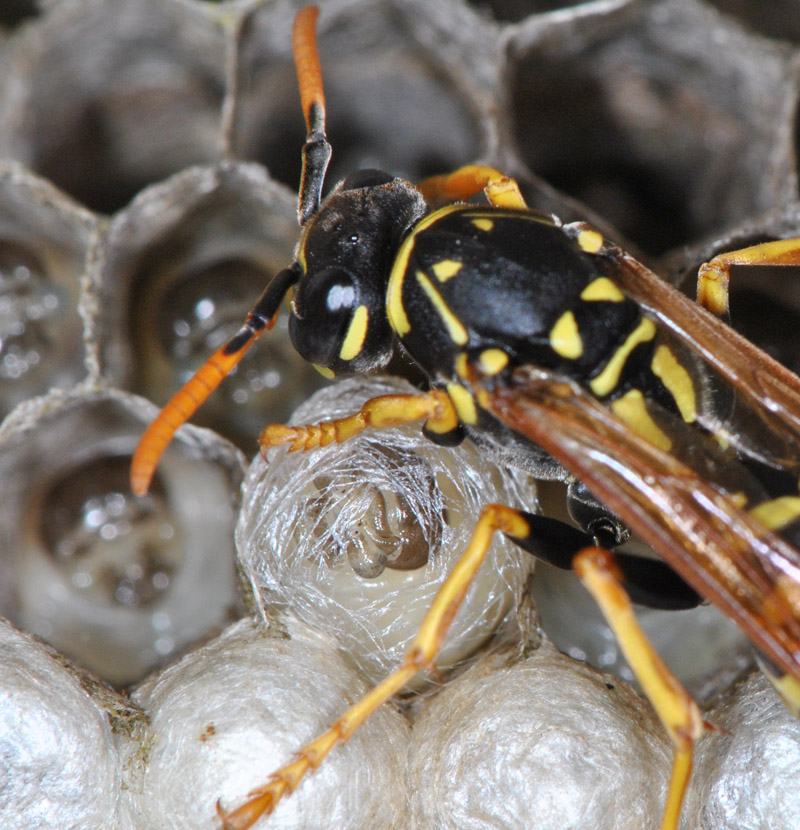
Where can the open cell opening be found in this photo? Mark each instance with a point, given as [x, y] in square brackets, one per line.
[660, 129]
[388, 107]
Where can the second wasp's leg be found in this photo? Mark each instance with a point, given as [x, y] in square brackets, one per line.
[421, 655]
[434, 407]
[672, 703]
[713, 277]
[501, 190]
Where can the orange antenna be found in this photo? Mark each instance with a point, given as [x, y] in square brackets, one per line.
[205, 380]
[316, 150]
[309, 72]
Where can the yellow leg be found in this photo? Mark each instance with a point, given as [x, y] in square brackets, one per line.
[435, 407]
[673, 705]
[713, 277]
[421, 655]
[501, 190]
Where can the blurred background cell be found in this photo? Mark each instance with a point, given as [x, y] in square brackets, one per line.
[392, 104]
[103, 99]
[15, 12]
[777, 19]
[116, 582]
[45, 244]
[665, 117]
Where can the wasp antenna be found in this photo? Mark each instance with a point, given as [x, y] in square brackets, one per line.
[316, 150]
[205, 380]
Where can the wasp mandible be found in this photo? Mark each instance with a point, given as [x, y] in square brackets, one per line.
[555, 351]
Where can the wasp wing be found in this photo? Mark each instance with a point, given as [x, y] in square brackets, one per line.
[717, 547]
[765, 421]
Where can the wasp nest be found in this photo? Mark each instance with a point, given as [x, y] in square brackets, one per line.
[150, 156]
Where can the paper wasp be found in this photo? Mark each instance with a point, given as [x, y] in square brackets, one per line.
[555, 351]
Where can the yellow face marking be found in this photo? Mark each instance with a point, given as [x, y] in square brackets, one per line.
[325, 371]
[602, 290]
[356, 334]
[483, 224]
[565, 339]
[776, 513]
[463, 402]
[493, 361]
[590, 241]
[677, 380]
[395, 311]
[605, 382]
[632, 409]
[446, 269]
[455, 328]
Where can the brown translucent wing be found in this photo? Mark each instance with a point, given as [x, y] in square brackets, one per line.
[719, 549]
[767, 394]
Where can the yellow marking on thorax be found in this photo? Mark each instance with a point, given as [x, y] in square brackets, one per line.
[324, 371]
[590, 241]
[493, 361]
[445, 269]
[565, 339]
[605, 382]
[462, 365]
[676, 378]
[602, 290]
[455, 328]
[483, 224]
[395, 311]
[463, 402]
[356, 334]
[632, 409]
[776, 513]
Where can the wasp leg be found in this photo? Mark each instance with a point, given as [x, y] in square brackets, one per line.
[594, 517]
[713, 277]
[421, 655]
[648, 582]
[435, 407]
[673, 705]
[500, 190]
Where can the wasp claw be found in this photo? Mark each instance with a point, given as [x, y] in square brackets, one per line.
[248, 814]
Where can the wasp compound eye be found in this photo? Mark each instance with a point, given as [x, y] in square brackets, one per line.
[339, 323]
[323, 307]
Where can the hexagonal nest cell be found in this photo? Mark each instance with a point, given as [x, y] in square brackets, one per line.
[150, 155]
